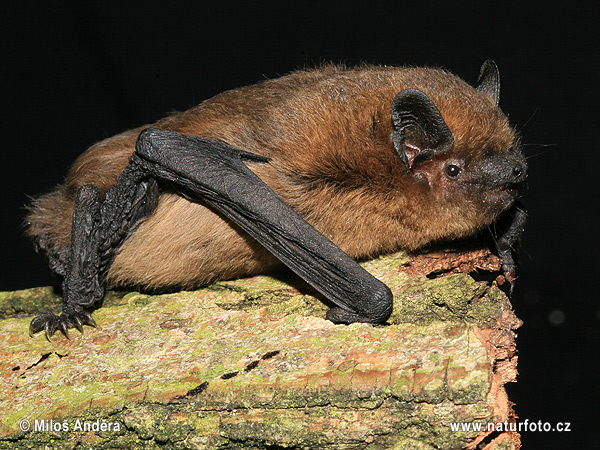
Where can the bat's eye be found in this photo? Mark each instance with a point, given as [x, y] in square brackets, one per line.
[452, 170]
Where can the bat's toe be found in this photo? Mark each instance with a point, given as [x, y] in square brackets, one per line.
[51, 323]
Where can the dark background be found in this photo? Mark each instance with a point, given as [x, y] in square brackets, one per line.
[75, 72]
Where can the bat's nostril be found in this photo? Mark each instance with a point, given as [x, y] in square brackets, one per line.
[519, 172]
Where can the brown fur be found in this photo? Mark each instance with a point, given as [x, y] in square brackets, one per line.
[328, 134]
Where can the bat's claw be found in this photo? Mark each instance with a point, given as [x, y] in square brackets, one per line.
[510, 277]
[509, 274]
[376, 312]
[51, 323]
[343, 316]
[340, 315]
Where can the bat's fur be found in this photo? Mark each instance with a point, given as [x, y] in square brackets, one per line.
[328, 132]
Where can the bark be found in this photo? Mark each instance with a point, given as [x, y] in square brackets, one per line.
[253, 364]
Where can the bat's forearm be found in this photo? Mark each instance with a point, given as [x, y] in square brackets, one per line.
[230, 187]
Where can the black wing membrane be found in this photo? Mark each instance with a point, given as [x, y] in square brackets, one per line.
[214, 172]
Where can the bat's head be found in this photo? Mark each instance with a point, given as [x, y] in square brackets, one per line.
[470, 164]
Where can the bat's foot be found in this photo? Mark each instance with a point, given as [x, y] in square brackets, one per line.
[51, 323]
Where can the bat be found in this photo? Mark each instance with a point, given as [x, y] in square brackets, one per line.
[314, 170]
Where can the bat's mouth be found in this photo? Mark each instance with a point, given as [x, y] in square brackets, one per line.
[503, 196]
[509, 190]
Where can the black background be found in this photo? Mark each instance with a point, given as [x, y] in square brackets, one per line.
[75, 72]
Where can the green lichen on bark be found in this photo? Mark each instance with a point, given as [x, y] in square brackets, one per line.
[253, 364]
[27, 301]
[35, 300]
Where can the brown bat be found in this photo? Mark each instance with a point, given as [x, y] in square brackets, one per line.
[375, 158]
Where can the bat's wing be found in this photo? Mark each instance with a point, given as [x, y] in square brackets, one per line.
[214, 172]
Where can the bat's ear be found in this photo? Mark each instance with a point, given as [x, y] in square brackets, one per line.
[419, 129]
[488, 82]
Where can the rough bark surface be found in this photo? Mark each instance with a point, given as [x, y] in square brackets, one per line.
[253, 364]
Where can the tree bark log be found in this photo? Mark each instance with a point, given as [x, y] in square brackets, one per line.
[253, 364]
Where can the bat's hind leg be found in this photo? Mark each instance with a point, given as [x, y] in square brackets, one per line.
[100, 225]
